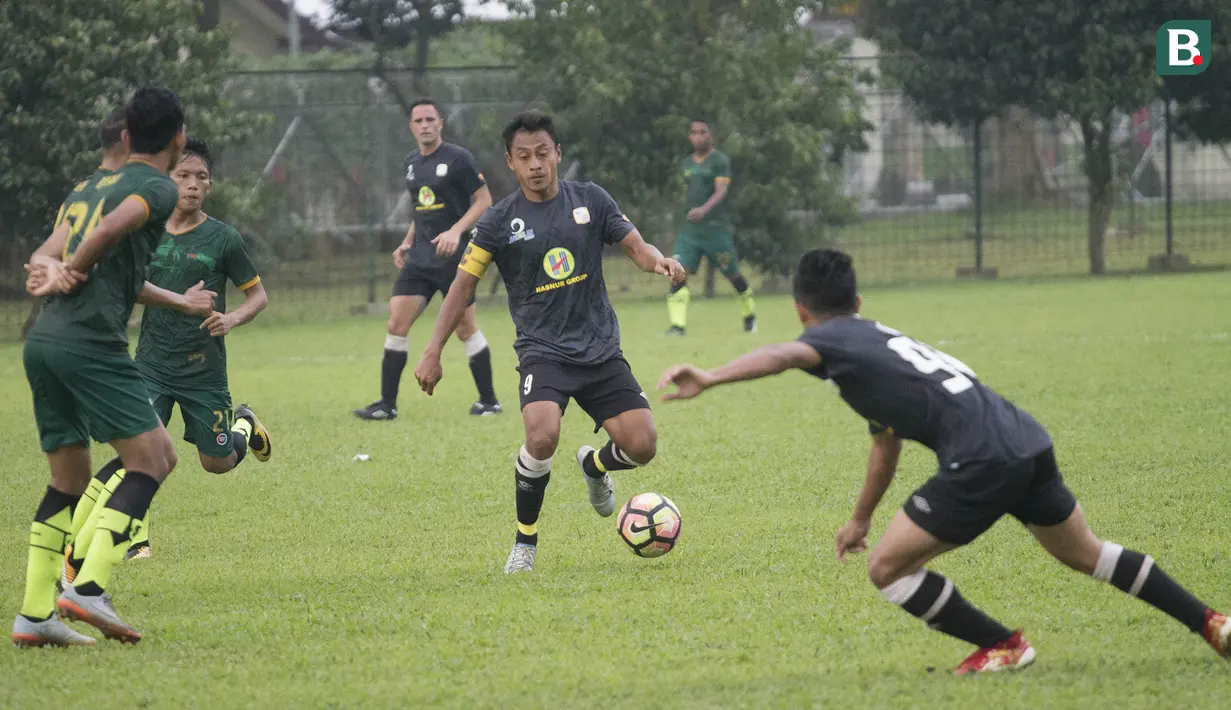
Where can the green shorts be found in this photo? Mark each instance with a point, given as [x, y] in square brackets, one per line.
[83, 391]
[208, 416]
[713, 241]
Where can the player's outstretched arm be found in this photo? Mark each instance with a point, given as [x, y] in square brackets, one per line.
[649, 259]
[691, 381]
[428, 372]
[882, 465]
[130, 215]
[196, 301]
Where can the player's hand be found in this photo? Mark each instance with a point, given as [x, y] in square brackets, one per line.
[689, 381]
[219, 324]
[198, 301]
[446, 242]
[50, 277]
[696, 214]
[399, 255]
[851, 538]
[428, 372]
[36, 276]
[670, 268]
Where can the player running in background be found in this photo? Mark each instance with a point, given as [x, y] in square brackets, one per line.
[994, 459]
[547, 238]
[449, 194]
[83, 382]
[707, 227]
[183, 356]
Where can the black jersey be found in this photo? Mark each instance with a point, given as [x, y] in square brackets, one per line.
[442, 187]
[550, 255]
[922, 394]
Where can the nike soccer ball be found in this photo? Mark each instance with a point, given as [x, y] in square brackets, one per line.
[650, 524]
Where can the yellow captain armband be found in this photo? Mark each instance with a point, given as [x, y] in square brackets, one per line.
[475, 260]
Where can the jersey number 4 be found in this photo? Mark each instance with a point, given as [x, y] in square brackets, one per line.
[928, 360]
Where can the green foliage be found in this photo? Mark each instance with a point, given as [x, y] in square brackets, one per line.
[624, 76]
[395, 24]
[67, 64]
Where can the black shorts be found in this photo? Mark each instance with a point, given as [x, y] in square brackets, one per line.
[416, 280]
[602, 391]
[959, 508]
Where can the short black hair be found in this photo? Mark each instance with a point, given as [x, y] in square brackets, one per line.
[198, 147]
[528, 122]
[696, 119]
[825, 282]
[154, 116]
[427, 101]
[111, 129]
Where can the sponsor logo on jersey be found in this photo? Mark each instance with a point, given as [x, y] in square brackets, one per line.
[442, 170]
[427, 200]
[222, 439]
[922, 504]
[410, 173]
[520, 233]
[581, 215]
[559, 263]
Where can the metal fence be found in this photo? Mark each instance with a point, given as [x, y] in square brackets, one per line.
[933, 202]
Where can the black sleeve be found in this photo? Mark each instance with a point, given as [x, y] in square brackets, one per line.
[823, 345]
[612, 223]
[876, 427]
[486, 231]
[468, 176]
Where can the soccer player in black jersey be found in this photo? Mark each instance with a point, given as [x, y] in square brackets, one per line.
[994, 459]
[547, 238]
[448, 194]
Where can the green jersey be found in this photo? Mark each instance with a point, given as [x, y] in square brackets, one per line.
[173, 347]
[700, 180]
[98, 311]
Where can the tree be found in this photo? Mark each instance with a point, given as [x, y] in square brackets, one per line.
[67, 65]
[623, 77]
[392, 25]
[1089, 62]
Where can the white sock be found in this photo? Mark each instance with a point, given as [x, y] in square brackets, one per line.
[475, 344]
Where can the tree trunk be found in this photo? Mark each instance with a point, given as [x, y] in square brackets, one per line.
[1096, 140]
[423, 55]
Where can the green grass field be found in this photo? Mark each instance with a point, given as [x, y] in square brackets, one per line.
[313, 581]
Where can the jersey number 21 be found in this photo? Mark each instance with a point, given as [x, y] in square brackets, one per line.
[928, 360]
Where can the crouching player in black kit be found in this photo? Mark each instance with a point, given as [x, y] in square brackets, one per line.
[994, 459]
[547, 238]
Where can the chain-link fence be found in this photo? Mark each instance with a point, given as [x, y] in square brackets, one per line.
[320, 193]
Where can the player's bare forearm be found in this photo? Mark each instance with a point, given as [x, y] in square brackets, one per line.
[152, 296]
[452, 310]
[409, 239]
[882, 465]
[766, 361]
[131, 215]
[645, 255]
[53, 246]
[481, 200]
[255, 301]
[720, 193]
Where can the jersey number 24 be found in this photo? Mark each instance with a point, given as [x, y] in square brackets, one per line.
[929, 360]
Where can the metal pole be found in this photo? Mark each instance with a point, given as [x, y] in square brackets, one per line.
[978, 177]
[366, 195]
[1167, 169]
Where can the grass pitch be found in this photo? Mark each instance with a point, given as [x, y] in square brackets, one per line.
[315, 581]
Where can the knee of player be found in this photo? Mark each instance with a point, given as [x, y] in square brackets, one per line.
[882, 572]
[217, 465]
[542, 443]
[643, 446]
[397, 329]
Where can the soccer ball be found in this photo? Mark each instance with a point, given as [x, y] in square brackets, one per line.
[650, 524]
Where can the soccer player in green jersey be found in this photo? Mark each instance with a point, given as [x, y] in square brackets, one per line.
[707, 229]
[84, 383]
[182, 356]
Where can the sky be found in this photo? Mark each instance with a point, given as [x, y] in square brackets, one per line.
[476, 8]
